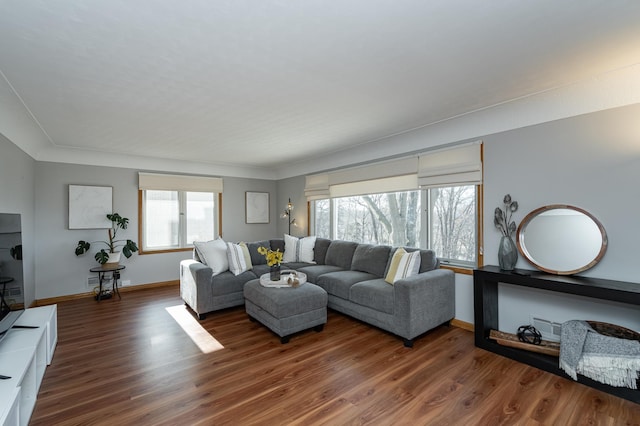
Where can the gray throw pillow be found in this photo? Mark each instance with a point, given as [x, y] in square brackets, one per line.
[340, 253]
[371, 258]
[257, 258]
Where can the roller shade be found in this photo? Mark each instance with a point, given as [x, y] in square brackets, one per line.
[164, 182]
[458, 165]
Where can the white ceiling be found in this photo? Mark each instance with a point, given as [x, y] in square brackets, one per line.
[264, 83]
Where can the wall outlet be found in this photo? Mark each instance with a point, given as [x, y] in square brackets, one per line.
[126, 283]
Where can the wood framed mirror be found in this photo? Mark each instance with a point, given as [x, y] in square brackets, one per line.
[561, 239]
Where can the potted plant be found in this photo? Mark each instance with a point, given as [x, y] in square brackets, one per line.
[110, 254]
[274, 259]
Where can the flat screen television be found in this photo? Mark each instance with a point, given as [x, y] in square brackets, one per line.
[11, 273]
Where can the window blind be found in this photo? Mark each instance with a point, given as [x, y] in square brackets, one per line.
[458, 165]
[165, 182]
[375, 186]
[316, 187]
[451, 166]
[388, 176]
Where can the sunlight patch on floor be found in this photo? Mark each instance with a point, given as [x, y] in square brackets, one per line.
[201, 337]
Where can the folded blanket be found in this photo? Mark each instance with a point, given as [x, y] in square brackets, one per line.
[608, 360]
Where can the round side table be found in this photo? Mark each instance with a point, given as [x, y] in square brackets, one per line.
[115, 276]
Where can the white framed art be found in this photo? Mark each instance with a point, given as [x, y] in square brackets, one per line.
[256, 207]
[89, 206]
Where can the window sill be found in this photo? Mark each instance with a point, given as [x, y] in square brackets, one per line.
[466, 270]
[141, 252]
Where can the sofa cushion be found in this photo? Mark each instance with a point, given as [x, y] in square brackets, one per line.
[295, 265]
[338, 283]
[227, 283]
[320, 250]
[257, 258]
[314, 271]
[298, 249]
[213, 254]
[340, 253]
[260, 270]
[403, 265]
[375, 294]
[371, 258]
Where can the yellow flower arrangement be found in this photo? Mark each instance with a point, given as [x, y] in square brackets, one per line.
[273, 257]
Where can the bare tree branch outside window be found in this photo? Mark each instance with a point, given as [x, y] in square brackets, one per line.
[396, 219]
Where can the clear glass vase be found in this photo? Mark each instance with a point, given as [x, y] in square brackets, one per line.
[507, 253]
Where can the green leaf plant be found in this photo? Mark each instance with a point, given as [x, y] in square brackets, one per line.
[128, 246]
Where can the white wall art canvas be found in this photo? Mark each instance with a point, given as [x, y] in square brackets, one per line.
[89, 206]
[257, 207]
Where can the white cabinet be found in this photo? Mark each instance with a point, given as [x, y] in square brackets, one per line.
[24, 356]
[11, 409]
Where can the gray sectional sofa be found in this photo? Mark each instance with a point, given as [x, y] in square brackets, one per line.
[352, 274]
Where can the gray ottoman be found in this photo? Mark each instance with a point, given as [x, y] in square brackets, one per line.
[286, 310]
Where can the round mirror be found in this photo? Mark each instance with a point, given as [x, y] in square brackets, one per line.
[561, 239]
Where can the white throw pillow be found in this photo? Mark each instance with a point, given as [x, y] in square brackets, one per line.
[298, 249]
[403, 265]
[237, 258]
[213, 254]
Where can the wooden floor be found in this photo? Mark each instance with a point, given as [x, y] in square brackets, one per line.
[133, 362]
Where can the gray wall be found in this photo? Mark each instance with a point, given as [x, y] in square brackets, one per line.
[62, 273]
[17, 195]
[234, 227]
[591, 161]
[292, 188]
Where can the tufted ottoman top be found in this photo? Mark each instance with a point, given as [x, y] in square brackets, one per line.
[286, 301]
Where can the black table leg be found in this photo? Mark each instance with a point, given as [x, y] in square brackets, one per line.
[116, 277]
[100, 278]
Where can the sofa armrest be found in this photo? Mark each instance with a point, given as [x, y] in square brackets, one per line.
[424, 301]
[195, 284]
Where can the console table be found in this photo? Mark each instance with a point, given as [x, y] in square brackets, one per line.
[485, 295]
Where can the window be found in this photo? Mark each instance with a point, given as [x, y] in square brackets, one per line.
[391, 218]
[174, 219]
[176, 210]
[447, 223]
[452, 224]
[322, 218]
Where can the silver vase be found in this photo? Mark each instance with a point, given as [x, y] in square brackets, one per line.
[507, 253]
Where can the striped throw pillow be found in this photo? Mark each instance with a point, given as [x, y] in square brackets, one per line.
[298, 249]
[403, 265]
[237, 255]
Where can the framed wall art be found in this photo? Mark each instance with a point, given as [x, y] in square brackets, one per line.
[89, 206]
[256, 207]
